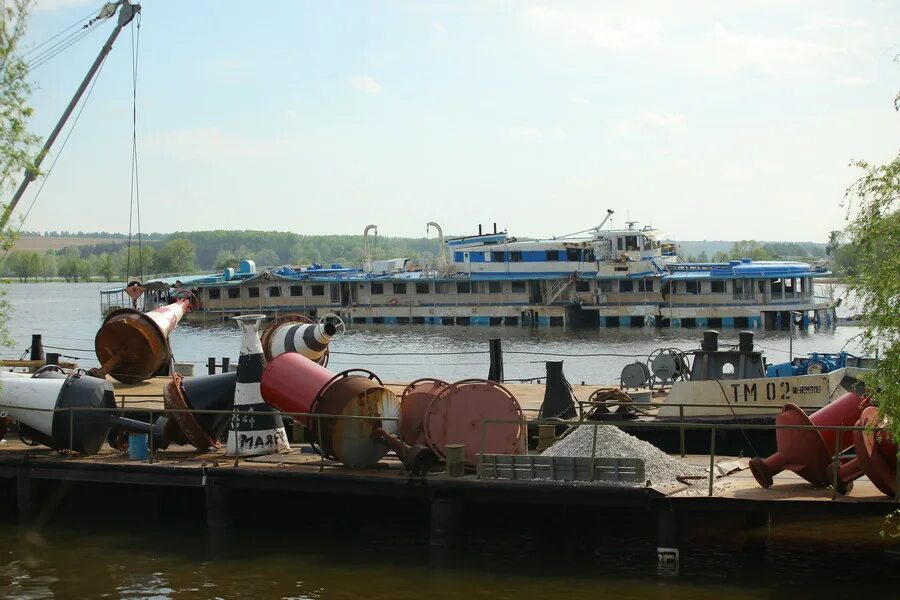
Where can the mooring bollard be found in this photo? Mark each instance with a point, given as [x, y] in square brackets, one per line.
[456, 459]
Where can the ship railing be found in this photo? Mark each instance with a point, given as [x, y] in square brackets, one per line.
[842, 432]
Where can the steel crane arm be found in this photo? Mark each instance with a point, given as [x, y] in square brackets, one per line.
[126, 14]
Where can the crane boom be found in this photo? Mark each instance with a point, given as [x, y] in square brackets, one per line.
[126, 14]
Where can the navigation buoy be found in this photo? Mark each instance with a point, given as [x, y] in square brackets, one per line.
[47, 409]
[300, 334]
[261, 431]
[212, 392]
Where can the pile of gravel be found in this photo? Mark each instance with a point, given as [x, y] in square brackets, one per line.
[612, 442]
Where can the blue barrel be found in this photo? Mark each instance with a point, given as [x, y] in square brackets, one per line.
[138, 448]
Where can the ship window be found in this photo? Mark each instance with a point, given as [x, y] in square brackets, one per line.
[477, 287]
[604, 287]
[495, 287]
[253, 292]
[573, 255]
[317, 290]
[717, 287]
[589, 255]
[441, 287]
[582, 286]
[234, 292]
[399, 288]
[377, 288]
[518, 287]
[423, 288]
[457, 256]
[515, 256]
[213, 293]
[631, 242]
[498, 256]
[728, 371]
[463, 287]
[275, 291]
[737, 288]
[552, 254]
[645, 285]
[335, 292]
[626, 285]
[761, 283]
[691, 287]
[296, 290]
[620, 243]
[749, 289]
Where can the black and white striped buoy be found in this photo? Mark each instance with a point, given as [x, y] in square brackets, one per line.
[261, 431]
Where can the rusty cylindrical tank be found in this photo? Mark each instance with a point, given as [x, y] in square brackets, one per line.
[292, 383]
[132, 345]
[414, 402]
[876, 450]
[478, 413]
[300, 334]
[808, 452]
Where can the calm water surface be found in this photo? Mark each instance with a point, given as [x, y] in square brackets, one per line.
[115, 560]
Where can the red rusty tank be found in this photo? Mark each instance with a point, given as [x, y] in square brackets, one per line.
[414, 402]
[132, 345]
[808, 452]
[294, 384]
[481, 414]
[291, 383]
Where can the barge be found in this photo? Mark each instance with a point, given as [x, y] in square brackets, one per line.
[597, 278]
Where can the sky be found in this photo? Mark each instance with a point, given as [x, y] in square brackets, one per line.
[708, 120]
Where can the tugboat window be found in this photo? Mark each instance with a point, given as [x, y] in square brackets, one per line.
[213, 293]
[604, 287]
[626, 286]
[573, 255]
[552, 254]
[234, 292]
[645, 285]
[518, 287]
[253, 292]
[495, 287]
[515, 256]
[737, 288]
[717, 287]
[423, 288]
[631, 243]
[296, 290]
[275, 291]
[441, 287]
[318, 290]
[498, 256]
[463, 287]
[377, 288]
[399, 288]
[691, 287]
[582, 286]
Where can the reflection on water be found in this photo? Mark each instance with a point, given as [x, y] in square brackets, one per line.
[191, 562]
[68, 316]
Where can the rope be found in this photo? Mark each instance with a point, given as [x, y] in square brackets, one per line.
[47, 41]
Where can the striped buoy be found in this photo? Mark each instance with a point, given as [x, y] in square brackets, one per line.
[262, 431]
[297, 333]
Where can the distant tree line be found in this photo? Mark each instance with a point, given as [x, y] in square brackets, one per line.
[755, 250]
[87, 234]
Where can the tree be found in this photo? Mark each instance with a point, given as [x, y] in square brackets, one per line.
[68, 264]
[226, 259]
[16, 143]
[874, 233]
[266, 258]
[106, 267]
[177, 256]
[49, 268]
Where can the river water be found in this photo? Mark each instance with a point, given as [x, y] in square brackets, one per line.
[99, 559]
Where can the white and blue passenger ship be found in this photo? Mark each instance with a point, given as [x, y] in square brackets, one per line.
[597, 278]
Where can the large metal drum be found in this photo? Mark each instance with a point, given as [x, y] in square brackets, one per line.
[414, 402]
[481, 414]
[355, 392]
[291, 383]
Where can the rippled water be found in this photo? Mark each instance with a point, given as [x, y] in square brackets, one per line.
[67, 315]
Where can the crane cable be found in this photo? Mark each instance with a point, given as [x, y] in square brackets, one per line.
[135, 200]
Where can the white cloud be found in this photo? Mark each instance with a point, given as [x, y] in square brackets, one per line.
[580, 100]
[366, 84]
[624, 34]
[646, 120]
[821, 23]
[853, 81]
[776, 57]
[211, 144]
[439, 27]
[523, 131]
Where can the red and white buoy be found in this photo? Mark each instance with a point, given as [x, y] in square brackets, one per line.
[300, 334]
[262, 431]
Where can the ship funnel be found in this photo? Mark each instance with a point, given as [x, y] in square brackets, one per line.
[132, 345]
[263, 431]
[297, 333]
